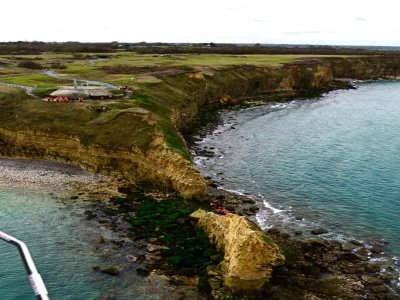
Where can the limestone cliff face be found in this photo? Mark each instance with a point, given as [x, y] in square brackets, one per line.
[365, 68]
[249, 254]
[159, 166]
[222, 86]
[168, 107]
[180, 173]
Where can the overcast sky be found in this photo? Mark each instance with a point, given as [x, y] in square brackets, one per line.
[350, 22]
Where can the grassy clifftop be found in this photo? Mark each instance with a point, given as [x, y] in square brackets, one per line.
[138, 137]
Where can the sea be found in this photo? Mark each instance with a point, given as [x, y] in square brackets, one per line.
[59, 249]
[39, 208]
[331, 162]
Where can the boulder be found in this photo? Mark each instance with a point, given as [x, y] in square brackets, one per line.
[249, 254]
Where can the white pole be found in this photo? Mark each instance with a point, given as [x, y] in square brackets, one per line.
[34, 277]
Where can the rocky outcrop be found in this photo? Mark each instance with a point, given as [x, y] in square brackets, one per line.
[249, 254]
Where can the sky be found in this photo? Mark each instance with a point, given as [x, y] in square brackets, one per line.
[338, 22]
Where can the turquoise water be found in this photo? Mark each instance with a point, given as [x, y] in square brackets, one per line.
[331, 162]
[60, 240]
[58, 247]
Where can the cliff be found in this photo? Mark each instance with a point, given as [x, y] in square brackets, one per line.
[139, 139]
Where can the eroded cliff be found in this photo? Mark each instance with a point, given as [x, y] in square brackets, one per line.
[249, 254]
[139, 138]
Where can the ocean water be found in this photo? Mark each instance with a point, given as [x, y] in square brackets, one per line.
[58, 247]
[332, 162]
[60, 240]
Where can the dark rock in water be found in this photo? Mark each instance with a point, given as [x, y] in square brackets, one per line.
[347, 247]
[379, 289]
[95, 268]
[329, 258]
[108, 296]
[143, 272]
[376, 249]
[349, 256]
[117, 244]
[74, 197]
[99, 240]
[254, 209]
[110, 271]
[140, 245]
[379, 242]
[373, 268]
[298, 232]
[314, 242]
[89, 215]
[356, 243]
[319, 231]
[248, 200]
[131, 258]
[363, 252]
[371, 280]
[273, 231]
[285, 235]
[212, 184]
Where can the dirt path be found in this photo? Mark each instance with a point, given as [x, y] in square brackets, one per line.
[28, 89]
[83, 82]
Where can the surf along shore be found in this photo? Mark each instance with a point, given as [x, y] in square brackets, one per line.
[139, 140]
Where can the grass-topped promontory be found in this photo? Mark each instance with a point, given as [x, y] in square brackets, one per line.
[160, 95]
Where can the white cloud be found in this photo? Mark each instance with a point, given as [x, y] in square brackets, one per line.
[263, 21]
[360, 19]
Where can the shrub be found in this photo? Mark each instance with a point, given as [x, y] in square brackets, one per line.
[28, 64]
[57, 65]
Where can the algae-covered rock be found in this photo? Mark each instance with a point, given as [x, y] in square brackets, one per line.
[249, 254]
[110, 270]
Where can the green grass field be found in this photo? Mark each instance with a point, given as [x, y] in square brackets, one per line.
[35, 80]
[89, 67]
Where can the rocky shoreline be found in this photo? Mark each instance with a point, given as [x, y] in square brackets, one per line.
[59, 178]
[316, 265]
[316, 268]
[111, 236]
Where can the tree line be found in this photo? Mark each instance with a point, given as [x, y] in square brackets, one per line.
[185, 48]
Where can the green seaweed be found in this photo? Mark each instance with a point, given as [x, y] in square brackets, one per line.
[167, 223]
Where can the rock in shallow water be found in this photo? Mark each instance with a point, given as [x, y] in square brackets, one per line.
[319, 231]
[110, 270]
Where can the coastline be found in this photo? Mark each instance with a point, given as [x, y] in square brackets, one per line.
[88, 197]
[371, 253]
[55, 177]
[122, 250]
[181, 121]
